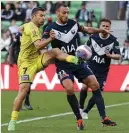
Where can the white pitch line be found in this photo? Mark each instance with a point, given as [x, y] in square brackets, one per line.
[61, 114]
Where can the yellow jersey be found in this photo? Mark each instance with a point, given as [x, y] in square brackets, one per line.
[28, 51]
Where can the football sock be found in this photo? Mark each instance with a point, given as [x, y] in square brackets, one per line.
[90, 105]
[27, 102]
[74, 105]
[83, 96]
[99, 102]
[72, 59]
[14, 115]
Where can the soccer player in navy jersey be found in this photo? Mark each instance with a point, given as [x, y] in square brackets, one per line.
[104, 47]
[66, 39]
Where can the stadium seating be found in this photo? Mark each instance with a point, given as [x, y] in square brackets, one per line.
[19, 23]
[3, 56]
[73, 10]
[53, 16]
[84, 40]
[71, 16]
[5, 24]
[76, 4]
[95, 24]
[98, 14]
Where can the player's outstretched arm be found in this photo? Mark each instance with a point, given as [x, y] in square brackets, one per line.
[92, 30]
[39, 44]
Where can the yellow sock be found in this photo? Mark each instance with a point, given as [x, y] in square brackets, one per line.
[14, 115]
[72, 59]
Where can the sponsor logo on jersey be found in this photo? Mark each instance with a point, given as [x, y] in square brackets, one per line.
[25, 77]
[73, 31]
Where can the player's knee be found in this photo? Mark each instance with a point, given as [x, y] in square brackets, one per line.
[68, 85]
[56, 50]
[93, 86]
[23, 89]
[84, 88]
[70, 90]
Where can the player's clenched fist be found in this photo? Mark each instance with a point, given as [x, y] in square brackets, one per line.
[52, 34]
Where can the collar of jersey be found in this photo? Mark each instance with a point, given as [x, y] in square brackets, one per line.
[61, 24]
[104, 38]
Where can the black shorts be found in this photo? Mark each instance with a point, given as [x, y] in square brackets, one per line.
[79, 71]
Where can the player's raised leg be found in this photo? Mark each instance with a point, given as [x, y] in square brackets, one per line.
[56, 53]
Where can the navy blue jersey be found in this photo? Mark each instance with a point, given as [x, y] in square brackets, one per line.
[99, 62]
[67, 38]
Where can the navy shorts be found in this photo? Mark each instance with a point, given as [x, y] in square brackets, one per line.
[79, 71]
[101, 77]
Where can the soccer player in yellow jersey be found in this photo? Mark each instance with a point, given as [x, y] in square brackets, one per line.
[31, 61]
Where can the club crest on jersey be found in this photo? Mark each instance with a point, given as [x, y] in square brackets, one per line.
[73, 31]
[59, 35]
[107, 48]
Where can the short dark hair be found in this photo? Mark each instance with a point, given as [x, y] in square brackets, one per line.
[60, 5]
[35, 10]
[83, 3]
[105, 20]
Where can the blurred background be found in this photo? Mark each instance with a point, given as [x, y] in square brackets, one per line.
[88, 13]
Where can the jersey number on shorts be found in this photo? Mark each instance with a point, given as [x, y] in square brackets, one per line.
[62, 74]
[25, 69]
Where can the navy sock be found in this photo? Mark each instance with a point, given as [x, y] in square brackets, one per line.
[74, 105]
[100, 103]
[90, 105]
[27, 101]
[83, 96]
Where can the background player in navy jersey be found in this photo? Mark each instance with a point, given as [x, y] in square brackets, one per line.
[13, 57]
[66, 39]
[104, 47]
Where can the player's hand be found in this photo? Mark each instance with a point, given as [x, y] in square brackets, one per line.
[52, 34]
[105, 31]
[108, 54]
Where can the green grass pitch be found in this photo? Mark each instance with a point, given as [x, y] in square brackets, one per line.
[55, 103]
